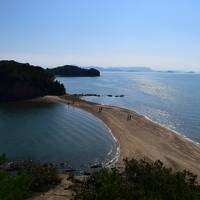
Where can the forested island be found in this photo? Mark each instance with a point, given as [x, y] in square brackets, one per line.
[20, 81]
[73, 71]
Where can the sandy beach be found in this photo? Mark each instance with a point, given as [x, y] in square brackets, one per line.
[137, 138]
[140, 137]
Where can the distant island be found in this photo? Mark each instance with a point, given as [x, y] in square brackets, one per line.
[176, 71]
[139, 69]
[73, 71]
[125, 69]
[20, 81]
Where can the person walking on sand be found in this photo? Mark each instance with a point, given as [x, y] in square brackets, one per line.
[129, 117]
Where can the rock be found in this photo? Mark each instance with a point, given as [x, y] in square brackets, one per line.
[69, 169]
[96, 166]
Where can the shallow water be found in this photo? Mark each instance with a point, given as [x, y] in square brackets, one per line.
[171, 99]
[54, 133]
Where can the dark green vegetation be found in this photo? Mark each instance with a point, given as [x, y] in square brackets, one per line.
[3, 159]
[73, 71]
[23, 81]
[26, 178]
[141, 180]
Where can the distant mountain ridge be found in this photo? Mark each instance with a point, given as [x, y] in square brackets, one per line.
[73, 71]
[125, 69]
[140, 69]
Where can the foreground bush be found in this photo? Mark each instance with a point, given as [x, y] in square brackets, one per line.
[141, 180]
[3, 159]
[25, 178]
[15, 187]
[43, 176]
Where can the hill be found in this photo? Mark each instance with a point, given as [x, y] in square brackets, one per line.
[20, 81]
[73, 71]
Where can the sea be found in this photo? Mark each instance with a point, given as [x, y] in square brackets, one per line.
[54, 133]
[170, 99]
[62, 134]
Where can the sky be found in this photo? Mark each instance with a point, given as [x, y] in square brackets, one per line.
[161, 34]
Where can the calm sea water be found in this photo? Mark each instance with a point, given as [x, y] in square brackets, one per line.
[170, 99]
[54, 133]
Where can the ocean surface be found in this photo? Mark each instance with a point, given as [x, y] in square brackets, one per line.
[58, 133]
[54, 133]
[170, 99]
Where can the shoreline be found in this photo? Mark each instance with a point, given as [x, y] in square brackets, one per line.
[116, 157]
[140, 137]
[174, 131]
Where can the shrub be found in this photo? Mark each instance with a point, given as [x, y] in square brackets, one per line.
[43, 176]
[140, 180]
[3, 159]
[14, 187]
[26, 178]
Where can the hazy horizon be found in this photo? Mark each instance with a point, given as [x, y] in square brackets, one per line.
[160, 35]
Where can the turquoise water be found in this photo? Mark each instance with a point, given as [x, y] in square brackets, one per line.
[170, 99]
[54, 133]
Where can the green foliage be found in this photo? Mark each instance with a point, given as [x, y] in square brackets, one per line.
[29, 177]
[14, 187]
[20, 81]
[43, 176]
[140, 180]
[3, 159]
[73, 71]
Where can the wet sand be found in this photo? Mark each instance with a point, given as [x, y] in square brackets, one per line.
[140, 137]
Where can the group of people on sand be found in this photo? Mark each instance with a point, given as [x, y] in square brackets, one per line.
[100, 109]
[129, 117]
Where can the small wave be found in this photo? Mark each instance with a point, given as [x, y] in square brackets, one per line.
[115, 158]
[172, 130]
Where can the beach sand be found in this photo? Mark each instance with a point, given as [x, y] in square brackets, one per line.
[140, 137]
[60, 192]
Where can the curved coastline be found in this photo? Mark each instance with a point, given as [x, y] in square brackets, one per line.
[115, 159]
[116, 156]
[174, 131]
[140, 137]
[155, 122]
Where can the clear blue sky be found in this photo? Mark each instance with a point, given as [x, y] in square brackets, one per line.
[162, 34]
